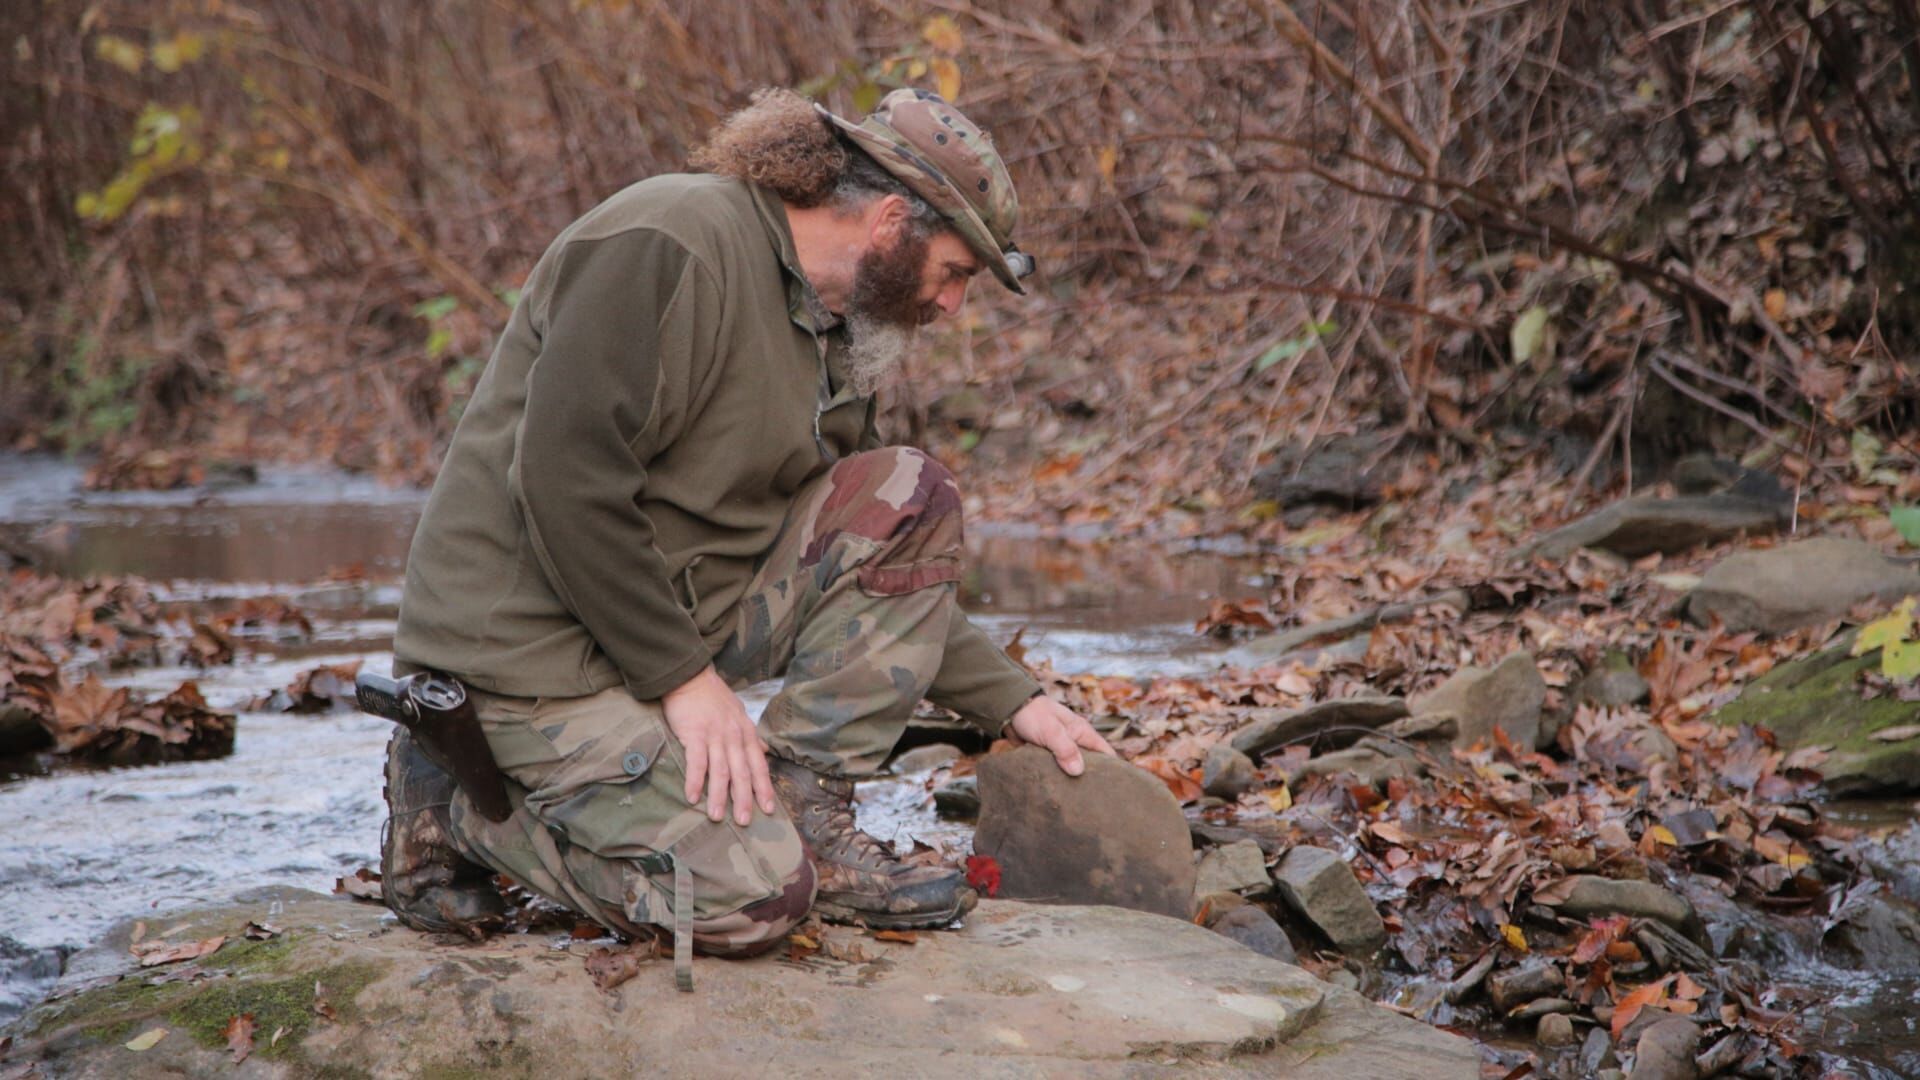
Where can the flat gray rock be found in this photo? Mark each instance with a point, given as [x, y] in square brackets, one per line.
[1644, 525]
[1227, 773]
[1330, 724]
[1797, 585]
[1113, 835]
[1509, 696]
[1021, 991]
[1239, 867]
[1585, 896]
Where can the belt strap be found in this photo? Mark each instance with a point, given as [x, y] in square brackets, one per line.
[682, 925]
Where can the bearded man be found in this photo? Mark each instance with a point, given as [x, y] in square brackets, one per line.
[668, 485]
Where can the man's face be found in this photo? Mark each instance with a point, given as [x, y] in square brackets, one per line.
[912, 280]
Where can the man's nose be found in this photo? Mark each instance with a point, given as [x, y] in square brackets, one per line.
[952, 296]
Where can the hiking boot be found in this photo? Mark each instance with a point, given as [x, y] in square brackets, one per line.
[423, 877]
[861, 881]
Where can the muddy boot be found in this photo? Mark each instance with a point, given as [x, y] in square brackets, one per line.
[423, 877]
[861, 881]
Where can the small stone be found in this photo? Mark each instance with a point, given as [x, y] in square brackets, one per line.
[1614, 684]
[1596, 1053]
[1797, 585]
[1239, 867]
[1227, 773]
[1508, 697]
[1666, 1051]
[1514, 987]
[926, 758]
[958, 798]
[1556, 1029]
[1113, 835]
[1341, 977]
[1320, 886]
[1370, 764]
[1587, 895]
[1253, 927]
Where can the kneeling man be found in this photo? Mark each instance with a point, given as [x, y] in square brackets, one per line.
[668, 485]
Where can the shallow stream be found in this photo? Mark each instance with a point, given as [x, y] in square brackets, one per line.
[298, 802]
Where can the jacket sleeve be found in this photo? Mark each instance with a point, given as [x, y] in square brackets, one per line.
[625, 313]
[978, 680]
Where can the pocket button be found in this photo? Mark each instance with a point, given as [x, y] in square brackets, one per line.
[634, 763]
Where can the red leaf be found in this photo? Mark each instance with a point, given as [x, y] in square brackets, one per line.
[239, 1035]
[983, 873]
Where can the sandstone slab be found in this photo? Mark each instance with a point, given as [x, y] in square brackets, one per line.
[1330, 724]
[1644, 525]
[1113, 835]
[1797, 585]
[1022, 990]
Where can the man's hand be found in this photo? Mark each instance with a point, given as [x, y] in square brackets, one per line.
[1045, 722]
[724, 754]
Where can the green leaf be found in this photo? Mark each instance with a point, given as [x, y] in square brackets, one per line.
[1892, 629]
[1901, 661]
[438, 341]
[1531, 335]
[435, 309]
[1906, 522]
[1865, 452]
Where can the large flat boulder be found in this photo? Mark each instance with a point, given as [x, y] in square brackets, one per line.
[1022, 990]
[1112, 835]
[1815, 701]
[1797, 585]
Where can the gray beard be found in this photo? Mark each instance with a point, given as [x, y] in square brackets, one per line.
[874, 350]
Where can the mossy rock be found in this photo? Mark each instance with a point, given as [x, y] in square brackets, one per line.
[1815, 701]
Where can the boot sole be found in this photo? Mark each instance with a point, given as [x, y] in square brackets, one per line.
[914, 920]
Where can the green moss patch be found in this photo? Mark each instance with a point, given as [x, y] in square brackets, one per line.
[1815, 701]
[276, 1004]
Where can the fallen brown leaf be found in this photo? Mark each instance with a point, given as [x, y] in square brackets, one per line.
[154, 953]
[239, 1033]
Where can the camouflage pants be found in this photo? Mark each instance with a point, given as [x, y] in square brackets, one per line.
[852, 604]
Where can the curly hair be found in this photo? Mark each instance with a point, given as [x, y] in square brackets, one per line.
[781, 144]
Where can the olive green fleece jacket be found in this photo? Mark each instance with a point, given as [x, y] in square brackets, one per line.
[662, 392]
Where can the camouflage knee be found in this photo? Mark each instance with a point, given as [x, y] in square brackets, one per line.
[906, 506]
[759, 926]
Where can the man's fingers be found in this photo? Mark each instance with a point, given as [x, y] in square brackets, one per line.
[716, 783]
[1067, 753]
[1093, 740]
[741, 784]
[762, 780]
[696, 770]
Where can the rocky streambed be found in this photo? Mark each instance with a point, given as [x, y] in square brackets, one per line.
[297, 805]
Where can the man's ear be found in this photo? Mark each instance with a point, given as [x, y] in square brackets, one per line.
[890, 217]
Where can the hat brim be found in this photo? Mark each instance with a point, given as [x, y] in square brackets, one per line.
[964, 221]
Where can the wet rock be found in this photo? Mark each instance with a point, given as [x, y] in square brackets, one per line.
[1585, 896]
[1239, 867]
[1227, 773]
[1345, 471]
[1797, 585]
[1644, 525]
[1321, 887]
[1251, 926]
[1665, 1051]
[1556, 1030]
[1022, 990]
[1815, 701]
[1113, 835]
[926, 758]
[1509, 697]
[1596, 1052]
[1515, 986]
[1271, 729]
[958, 799]
[1879, 933]
[1614, 684]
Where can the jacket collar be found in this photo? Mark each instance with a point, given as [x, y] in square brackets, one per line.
[804, 305]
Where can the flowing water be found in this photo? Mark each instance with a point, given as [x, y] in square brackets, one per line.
[298, 802]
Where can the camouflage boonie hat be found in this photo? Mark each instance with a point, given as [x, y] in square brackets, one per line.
[947, 160]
